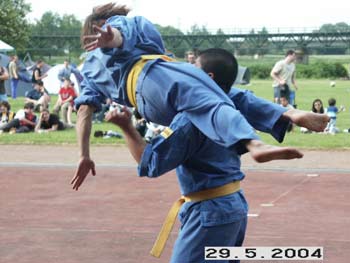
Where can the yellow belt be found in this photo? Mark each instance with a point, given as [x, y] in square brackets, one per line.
[168, 224]
[135, 72]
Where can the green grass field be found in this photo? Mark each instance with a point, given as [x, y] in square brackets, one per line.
[308, 91]
[59, 137]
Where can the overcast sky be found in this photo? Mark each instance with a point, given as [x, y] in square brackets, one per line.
[225, 14]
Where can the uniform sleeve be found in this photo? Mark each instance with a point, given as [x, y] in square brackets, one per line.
[173, 147]
[261, 114]
[139, 36]
[97, 80]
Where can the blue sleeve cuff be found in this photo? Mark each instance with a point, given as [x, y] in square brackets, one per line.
[240, 145]
[88, 100]
[145, 160]
[279, 129]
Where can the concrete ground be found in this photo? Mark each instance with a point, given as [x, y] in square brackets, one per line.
[116, 216]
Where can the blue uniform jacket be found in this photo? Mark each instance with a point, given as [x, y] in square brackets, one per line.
[105, 70]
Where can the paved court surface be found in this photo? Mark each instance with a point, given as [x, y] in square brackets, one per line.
[115, 216]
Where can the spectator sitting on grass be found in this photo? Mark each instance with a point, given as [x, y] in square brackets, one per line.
[24, 120]
[39, 96]
[5, 114]
[317, 107]
[65, 101]
[49, 122]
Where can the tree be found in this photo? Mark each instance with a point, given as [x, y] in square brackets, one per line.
[14, 28]
[55, 35]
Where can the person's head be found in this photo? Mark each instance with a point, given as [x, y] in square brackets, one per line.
[5, 106]
[291, 56]
[332, 102]
[39, 85]
[15, 58]
[190, 57]
[66, 63]
[67, 83]
[99, 16]
[40, 63]
[284, 101]
[29, 106]
[317, 106]
[220, 65]
[45, 115]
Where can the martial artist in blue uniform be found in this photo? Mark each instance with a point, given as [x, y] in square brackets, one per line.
[163, 88]
[158, 88]
[202, 164]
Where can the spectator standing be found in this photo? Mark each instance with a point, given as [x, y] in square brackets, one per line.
[24, 120]
[3, 76]
[65, 101]
[14, 77]
[332, 112]
[283, 74]
[6, 114]
[37, 74]
[66, 71]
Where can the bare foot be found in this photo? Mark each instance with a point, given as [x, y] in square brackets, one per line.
[262, 153]
[310, 120]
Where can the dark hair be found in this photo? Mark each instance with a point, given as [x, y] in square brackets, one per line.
[98, 17]
[6, 104]
[222, 64]
[29, 105]
[290, 52]
[332, 102]
[313, 107]
[40, 82]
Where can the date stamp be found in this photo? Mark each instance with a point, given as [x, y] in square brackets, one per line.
[263, 253]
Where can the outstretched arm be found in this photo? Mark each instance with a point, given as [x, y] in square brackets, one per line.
[85, 165]
[310, 120]
[133, 139]
[111, 38]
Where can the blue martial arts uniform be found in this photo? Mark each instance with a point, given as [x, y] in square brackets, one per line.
[261, 114]
[163, 88]
[202, 164]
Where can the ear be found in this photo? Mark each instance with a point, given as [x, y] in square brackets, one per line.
[211, 74]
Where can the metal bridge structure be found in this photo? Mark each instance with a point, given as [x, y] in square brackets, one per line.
[278, 42]
[260, 41]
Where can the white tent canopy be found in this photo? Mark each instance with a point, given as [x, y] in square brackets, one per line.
[52, 83]
[5, 47]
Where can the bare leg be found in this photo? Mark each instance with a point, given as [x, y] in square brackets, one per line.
[69, 114]
[262, 152]
[312, 121]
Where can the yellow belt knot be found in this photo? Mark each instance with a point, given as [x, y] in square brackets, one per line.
[203, 195]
